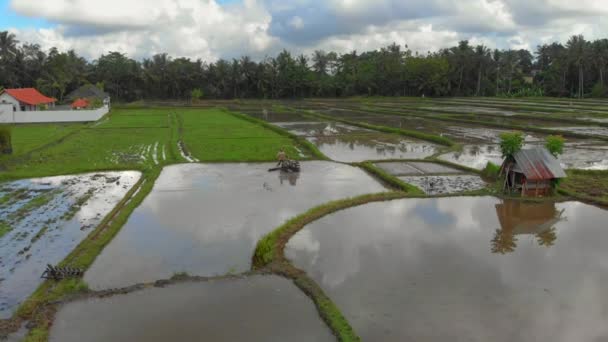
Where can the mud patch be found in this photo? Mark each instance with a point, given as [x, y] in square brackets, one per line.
[205, 219]
[441, 185]
[316, 129]
[257, 308]
[465, 269]
[46, 219]
[416, 168]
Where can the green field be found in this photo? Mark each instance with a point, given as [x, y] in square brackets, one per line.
[138, 139]
[214, 135]
[27, 137]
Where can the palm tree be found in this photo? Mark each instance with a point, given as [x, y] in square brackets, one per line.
[497, 59]
[481, 56]
[577, 53]
[600, 57]
[8, 43]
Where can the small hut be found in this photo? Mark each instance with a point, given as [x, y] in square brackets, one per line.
[532, 172]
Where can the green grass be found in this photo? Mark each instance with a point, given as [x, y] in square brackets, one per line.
[4, 228]
[92, 150]
[151, 118]
[213, 135]
[591, 186]
[390, 179]
[27, 137]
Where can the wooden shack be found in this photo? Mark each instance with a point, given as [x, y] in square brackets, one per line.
[531, 172]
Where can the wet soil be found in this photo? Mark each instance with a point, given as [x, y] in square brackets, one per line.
[47, 218]
[463, 269]
[416, 168]
[441, 185]
[257, 308]
[205, 219]
[275, 116]
[316, 129]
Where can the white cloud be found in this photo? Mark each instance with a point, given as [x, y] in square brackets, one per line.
[296, 22]
[207, 30]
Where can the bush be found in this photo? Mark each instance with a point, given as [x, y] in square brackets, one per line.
[6, 146]
[491, 171]
[555, 144]
[511, 143]
[196, 94]
[599, 91]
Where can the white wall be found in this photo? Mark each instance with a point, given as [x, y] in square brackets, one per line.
[6, 112]
[51, 115]
[5, 97]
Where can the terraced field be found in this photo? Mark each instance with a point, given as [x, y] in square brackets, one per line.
[392, 234]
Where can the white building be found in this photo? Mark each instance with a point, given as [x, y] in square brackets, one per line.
[25, 99]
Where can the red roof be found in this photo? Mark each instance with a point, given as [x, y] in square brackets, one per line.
[29, 96]
[80, 103]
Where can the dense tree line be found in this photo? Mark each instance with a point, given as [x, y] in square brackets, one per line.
[576, 69]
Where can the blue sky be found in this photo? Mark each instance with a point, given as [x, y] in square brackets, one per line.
[212, 29]
[10, 19]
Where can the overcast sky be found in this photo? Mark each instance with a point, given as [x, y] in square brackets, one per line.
[212, 29]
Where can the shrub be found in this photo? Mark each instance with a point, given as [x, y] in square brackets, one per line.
[599, 91]
[511, 143]
[196, 94]
[491, 171]
[6, 146]
[555, 144]
[95, 103]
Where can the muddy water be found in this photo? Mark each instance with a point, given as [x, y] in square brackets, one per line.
[575, 156]
[253, 309]
[205, 219]
[271, 116]
[463, 269]
[47, 218]
[441, 185]
[356, 148]
[592, 130]
[314, 129]
[415, 168]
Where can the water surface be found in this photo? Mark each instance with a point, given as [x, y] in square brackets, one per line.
[463, 269]
[205, 219]
[47, 218]
[257, 308]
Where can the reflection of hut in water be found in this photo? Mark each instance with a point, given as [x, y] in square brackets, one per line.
[521, 218]
[531, 172]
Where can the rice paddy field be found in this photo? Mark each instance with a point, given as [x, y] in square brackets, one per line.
[390, 231]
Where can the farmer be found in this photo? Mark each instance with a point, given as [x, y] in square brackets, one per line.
[281, 157]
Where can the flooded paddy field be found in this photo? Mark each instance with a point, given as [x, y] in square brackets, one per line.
[445, 184]
[205, 219]
[44, 219]
[463, 269]
[256, 308]
[273, 117]
[577, 155]
[320, 128]
[416, 168]
[376, 146]
[433, 178]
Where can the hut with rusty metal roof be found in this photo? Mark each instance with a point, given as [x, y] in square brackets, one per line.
[532, 172]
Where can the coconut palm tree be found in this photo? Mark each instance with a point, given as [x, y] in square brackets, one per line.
[578, 55]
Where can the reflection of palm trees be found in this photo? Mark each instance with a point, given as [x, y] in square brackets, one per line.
[547, 238]
[504, 241]
[522, 218]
